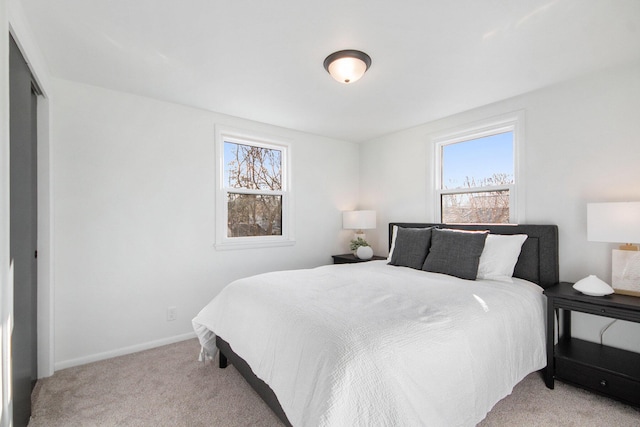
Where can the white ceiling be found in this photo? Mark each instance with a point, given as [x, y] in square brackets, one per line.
[262, 60]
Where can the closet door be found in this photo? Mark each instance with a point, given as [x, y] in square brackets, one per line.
[23, 199]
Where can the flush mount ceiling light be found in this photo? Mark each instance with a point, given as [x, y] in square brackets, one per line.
[347, 66]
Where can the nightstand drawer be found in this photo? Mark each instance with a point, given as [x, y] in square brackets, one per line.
[599, 310]
[598, 380]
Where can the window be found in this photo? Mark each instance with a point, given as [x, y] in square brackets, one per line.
[253, 191]
[477, 175]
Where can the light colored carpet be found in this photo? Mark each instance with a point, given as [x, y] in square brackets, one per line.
[166, 386]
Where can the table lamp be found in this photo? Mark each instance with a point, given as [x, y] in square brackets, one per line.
[359, 220]
[618, 223]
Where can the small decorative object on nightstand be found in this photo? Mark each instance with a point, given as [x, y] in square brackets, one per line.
[361, 248]
[594, 366]
[592, 285]
[364, 252]
[351, 258]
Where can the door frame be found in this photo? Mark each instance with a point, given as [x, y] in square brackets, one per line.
[21, 32]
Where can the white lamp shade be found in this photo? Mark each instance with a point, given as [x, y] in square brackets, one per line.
[358, 220]
[613, 222]
[347, 70]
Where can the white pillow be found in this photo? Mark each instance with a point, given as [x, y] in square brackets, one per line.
[499, 256]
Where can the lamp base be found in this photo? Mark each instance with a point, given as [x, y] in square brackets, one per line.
[625, 272]
[359, 234]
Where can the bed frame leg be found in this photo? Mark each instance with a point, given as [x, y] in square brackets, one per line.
[222, 362]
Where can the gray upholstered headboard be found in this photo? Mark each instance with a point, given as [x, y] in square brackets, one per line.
[538, 261]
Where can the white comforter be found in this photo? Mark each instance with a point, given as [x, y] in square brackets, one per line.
[370, 344]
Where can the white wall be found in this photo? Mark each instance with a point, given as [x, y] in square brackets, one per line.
[134, 191]
[582, 146]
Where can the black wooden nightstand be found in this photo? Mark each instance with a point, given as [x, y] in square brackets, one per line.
[351, 258]
[596, 367]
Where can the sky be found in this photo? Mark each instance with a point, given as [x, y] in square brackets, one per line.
[229, 148]
[479, 158]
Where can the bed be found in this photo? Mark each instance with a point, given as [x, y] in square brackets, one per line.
[380, 344]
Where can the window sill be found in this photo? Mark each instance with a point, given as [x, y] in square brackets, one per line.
[226, 246]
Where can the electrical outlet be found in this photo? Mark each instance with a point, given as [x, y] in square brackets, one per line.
[172, 314]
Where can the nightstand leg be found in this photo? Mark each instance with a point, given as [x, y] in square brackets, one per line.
[222, 362]
[551, 322]
[566, 324]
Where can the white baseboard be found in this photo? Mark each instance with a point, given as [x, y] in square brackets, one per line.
[122, 351]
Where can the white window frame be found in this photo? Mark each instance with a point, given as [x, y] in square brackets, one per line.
[510, 122]
[223, 242]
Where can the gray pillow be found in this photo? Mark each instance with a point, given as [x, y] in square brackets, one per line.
[455, 253]
[411, 247]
